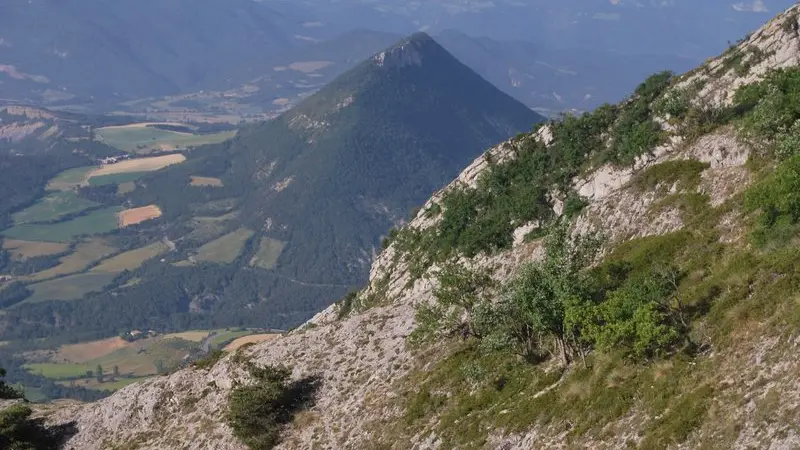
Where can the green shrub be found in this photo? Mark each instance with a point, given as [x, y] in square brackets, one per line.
[684, 173]
[257, 412]
[346, 305]
[635, 132]
[547, 298]
[635, 319]
[771, 110]
[209, 360]
[777, 198]
[462, 299]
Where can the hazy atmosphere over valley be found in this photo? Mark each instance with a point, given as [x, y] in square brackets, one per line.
[392, 224]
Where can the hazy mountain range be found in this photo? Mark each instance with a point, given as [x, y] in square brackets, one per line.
[101, 55]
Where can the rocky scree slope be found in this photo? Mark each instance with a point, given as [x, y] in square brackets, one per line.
[693, 197]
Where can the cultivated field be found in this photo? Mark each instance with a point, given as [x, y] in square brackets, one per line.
[223, 337]
[309, 66]
[144, 138]
[53, 207]
[119, 178]
[126, 187]
[138, 359]
[138, 165]
[252, 339]
[206, 228]
[206, 181]
[69, 179]
[72, 287]
[269, 250]
[224, 249]
[21, 250]
[132, 259]
[87, 351]
[138, 215]
[192, 336]
[96, 222]
[85, 254]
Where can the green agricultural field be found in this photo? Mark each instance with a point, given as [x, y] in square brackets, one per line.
[142, 358]
[53, 207]
[269, 250]
[85, 254]
[206, 228]
[72, 287]
[96, 222]
[131, 260]
[59, 371]
[145, 139]
[135, 361]
[21, 250]
[117, 178]
[224, 249]
[69, 179]
[223, 337]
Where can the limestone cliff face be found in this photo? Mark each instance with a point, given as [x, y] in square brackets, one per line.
[362, 358]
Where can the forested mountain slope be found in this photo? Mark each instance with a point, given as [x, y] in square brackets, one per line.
[274, 225]
[627, 278]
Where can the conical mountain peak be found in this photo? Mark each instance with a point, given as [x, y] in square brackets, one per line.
[410, 51]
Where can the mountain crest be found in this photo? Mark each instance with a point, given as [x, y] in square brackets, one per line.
[408, 52]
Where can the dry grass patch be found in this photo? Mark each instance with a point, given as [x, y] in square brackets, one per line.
[252, 339]
[192, 336]
[132, 259]
[138, 165]
[226, 248]
[21, 250]
[309, 66]
[138, 215]
[269, 251]
[141, 125]
[87, 351]
[206, 181]
[126, 187]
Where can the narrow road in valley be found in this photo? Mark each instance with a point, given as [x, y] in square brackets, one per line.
[303, 283]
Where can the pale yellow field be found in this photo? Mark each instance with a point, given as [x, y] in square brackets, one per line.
[309, 66]
[138, 215]
[206, 181]
[131, 260]
[87, 351]
[30, 249]
[193, 336]
[252, 339]
[142, 125]
[138, 165]
[125, 188]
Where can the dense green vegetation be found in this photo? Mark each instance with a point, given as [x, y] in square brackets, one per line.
[513, 193]
[630, 330]
[558, 307]
[259, 410]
